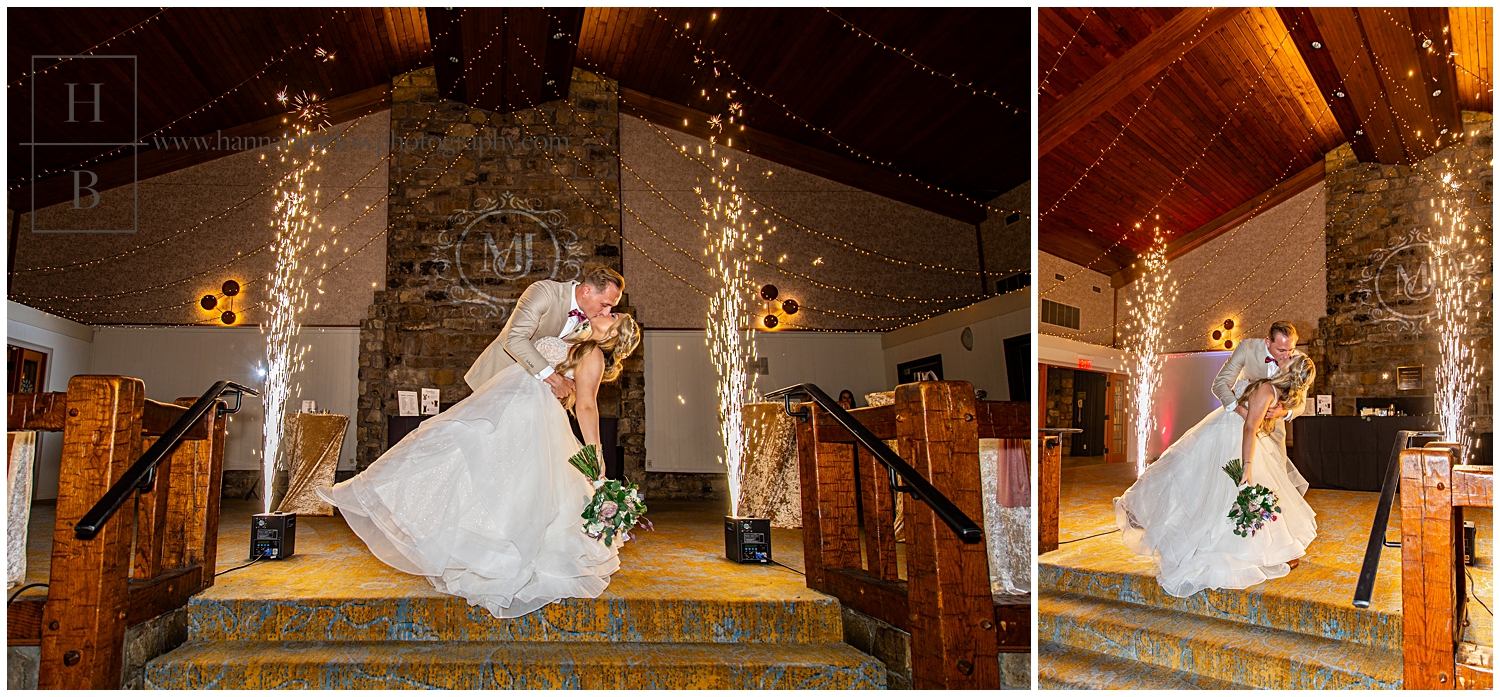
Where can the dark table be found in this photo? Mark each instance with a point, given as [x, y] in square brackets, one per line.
[1348, 452]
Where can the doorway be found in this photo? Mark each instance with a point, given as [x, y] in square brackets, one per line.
[25, 370]
[1088, 414]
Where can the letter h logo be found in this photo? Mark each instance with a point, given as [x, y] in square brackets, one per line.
[84, 141]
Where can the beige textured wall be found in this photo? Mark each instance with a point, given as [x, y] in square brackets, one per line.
[1271, 267]
[652, 227]
[193, 236]
[1085, 289]
[1007, 246]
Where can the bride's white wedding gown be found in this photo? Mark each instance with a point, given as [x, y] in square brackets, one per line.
[481, 500]
[1178, 512]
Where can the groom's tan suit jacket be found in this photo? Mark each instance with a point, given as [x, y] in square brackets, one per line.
[1248, 362]
[541, 311]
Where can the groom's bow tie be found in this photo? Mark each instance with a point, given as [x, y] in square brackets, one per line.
[575, 313]
[1268, 358]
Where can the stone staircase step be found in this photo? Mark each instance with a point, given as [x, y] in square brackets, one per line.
[1069, 668]
[1225, 650]
[439, 618]
[1318, 612]
[474, 665]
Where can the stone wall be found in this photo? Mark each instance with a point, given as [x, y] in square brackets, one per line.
[1060, 401]
[482, 205]
[1379, 294]
[1086, 289]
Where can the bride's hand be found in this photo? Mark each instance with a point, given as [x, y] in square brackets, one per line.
[1245, 477]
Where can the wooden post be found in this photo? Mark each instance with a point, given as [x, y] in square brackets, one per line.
[83, 624]
[948, 581]
[1431, 531]
[210, 484]
[879, 516]
[151, 520]
[830, 525]
[1049, 494]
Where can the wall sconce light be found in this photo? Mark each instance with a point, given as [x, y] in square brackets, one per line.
[770, 321]
[1228, 324]
[1218, 335]
[1228, 343]
[210, 302]
[790, 306]
[768, 292]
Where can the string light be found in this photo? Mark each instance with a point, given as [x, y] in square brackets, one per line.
[90, 50]
[950, 77]
[1076, 33]
[716, 63]
[1181, 176]
[99, 158]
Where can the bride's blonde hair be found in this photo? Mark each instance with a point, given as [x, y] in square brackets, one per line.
[1290, 384]
[624, 336]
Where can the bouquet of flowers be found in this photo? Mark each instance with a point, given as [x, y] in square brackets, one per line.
[1255, 505]
[615, 508]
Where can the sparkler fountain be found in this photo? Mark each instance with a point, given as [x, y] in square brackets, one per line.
[1457, 300]
[286, 296]
[730, 339]
[1146, 339]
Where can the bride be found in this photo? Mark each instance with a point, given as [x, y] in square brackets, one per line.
[1178, 511]
[481, 500]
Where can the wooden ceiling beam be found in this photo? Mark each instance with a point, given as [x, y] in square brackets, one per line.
[488, 57]
[1266, 200]
[1128, 72]
[804, 157]
[1319, 61]
[193, 151]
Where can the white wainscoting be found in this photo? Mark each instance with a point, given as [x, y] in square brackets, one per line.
[185, 361]
[681, 404]
[1185, 396]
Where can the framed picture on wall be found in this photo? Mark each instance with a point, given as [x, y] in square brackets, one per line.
[929, 368]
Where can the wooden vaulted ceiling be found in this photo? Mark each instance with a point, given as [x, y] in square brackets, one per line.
[937, 116]
[1193, 120]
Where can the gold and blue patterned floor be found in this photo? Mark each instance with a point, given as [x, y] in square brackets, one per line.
[1100, 605]
[677, 614]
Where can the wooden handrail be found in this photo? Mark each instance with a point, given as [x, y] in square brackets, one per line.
[957, 628]
[152, 558]
[1433, 593]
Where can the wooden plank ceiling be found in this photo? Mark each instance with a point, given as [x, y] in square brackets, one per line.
[1191, 121]
[199, 71]
[926, 106]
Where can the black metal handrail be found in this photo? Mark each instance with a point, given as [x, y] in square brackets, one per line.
[142, 474]
[1364, 588]
[916, 485]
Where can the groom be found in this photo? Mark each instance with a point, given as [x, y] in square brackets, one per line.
[547, 308]
[1255, 359]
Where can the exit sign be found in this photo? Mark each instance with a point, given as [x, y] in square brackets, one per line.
[1085, 364]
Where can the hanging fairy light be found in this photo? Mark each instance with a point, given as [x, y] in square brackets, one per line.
[286, 295]
[1454, 267]
[1145, 340]
[730, 338]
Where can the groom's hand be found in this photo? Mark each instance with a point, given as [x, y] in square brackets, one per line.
[1276, 411]
[561, 386]
[1243, 412]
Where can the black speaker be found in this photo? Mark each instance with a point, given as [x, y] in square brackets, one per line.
[747, 539]
[273, 535]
